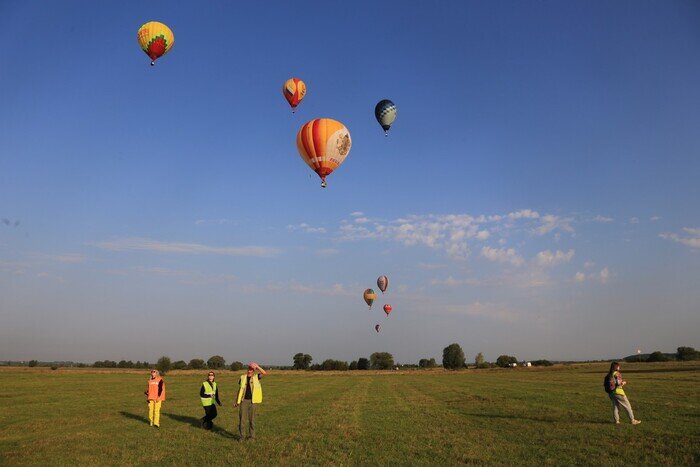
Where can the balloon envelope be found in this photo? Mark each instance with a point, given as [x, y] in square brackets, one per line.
[377, 328]
[385, 113]
[369, 297]
[294, 91]
[323, 143]
[383, 283]
[156, 39]
[387, 309]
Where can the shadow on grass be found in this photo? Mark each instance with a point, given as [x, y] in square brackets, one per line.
[196, 422]
[536, 419]
[133, 416]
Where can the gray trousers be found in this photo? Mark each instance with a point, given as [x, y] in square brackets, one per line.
[621, 401]
[246, 413]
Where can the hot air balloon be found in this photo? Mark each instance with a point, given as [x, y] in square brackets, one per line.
[323, 143]
[383, 283]
[294, 91]
[385, 113]
[377, 327]
[387, 309]
[369, 296]
[155, 39]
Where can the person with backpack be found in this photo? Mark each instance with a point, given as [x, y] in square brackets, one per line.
[155, 395]
[208, 394]
[613, 384]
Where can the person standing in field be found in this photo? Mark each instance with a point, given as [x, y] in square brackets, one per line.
[209, 393]
[155, 394]
[249, 395]
[614, 387]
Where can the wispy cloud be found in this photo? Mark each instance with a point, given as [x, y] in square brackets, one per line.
[690, 238]
[502, 255]
[654, 218]
[213, 221]
[70, 258]
[144, 244]
[306, 228]
[357, 214]
[181, 276]
[326, 252]
[602, 219]
[548, 258]
[490, 311]
[634, 220]
[603, 276]
[452, 233]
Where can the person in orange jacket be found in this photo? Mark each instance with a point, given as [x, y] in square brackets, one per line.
[155, 394]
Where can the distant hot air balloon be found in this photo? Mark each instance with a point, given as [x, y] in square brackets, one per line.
[377, 327]
[383, 283]
[385, 113]
[369, 296]
[387, 309]
[294, 91]
[155, 39]
[323, 143]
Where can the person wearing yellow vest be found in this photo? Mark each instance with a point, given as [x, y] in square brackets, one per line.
[155, 394]
[208, 394]
[249, 395]
[617, 394]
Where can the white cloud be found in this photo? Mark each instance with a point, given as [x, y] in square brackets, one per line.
[502, 255]
[144, 244]
[654, 218]
[483, 235]
[357, 214]
[306, 228]
[691, 239]
[69, 258]
[361, 220]
[634, 220]
[326, 252]
[603, 219]
[588, 264]
[524, 214]
[213, 221]
[548, 258]
[603, 276]
[551, 222]
[491, 311]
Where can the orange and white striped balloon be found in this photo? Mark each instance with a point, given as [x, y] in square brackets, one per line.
[323, 143]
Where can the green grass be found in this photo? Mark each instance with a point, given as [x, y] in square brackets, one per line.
[525, 416]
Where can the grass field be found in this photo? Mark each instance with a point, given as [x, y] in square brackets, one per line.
[558, 416]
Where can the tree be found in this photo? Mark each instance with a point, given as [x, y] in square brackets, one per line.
[657, 357]
[542, 363]
[453, 357]
[179, 365]
[216, 362]
[504, 361]
[353, 365]
[302, 361]
[381, 361]
[362, 363]
[33, 363]
[337, 365]
[481, 362]
[687, 353]
[196, 364]
[163, 365]
[427, 363]
[236, 366]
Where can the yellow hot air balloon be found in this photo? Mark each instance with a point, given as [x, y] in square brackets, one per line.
[155, 39]
[323, 143]
[294, 91]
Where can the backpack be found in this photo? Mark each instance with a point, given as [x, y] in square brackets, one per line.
[609, 383]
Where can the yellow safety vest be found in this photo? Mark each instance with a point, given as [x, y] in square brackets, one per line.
[257, 389]
[210, 390]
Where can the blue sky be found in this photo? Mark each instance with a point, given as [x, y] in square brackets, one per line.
[537, 195]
